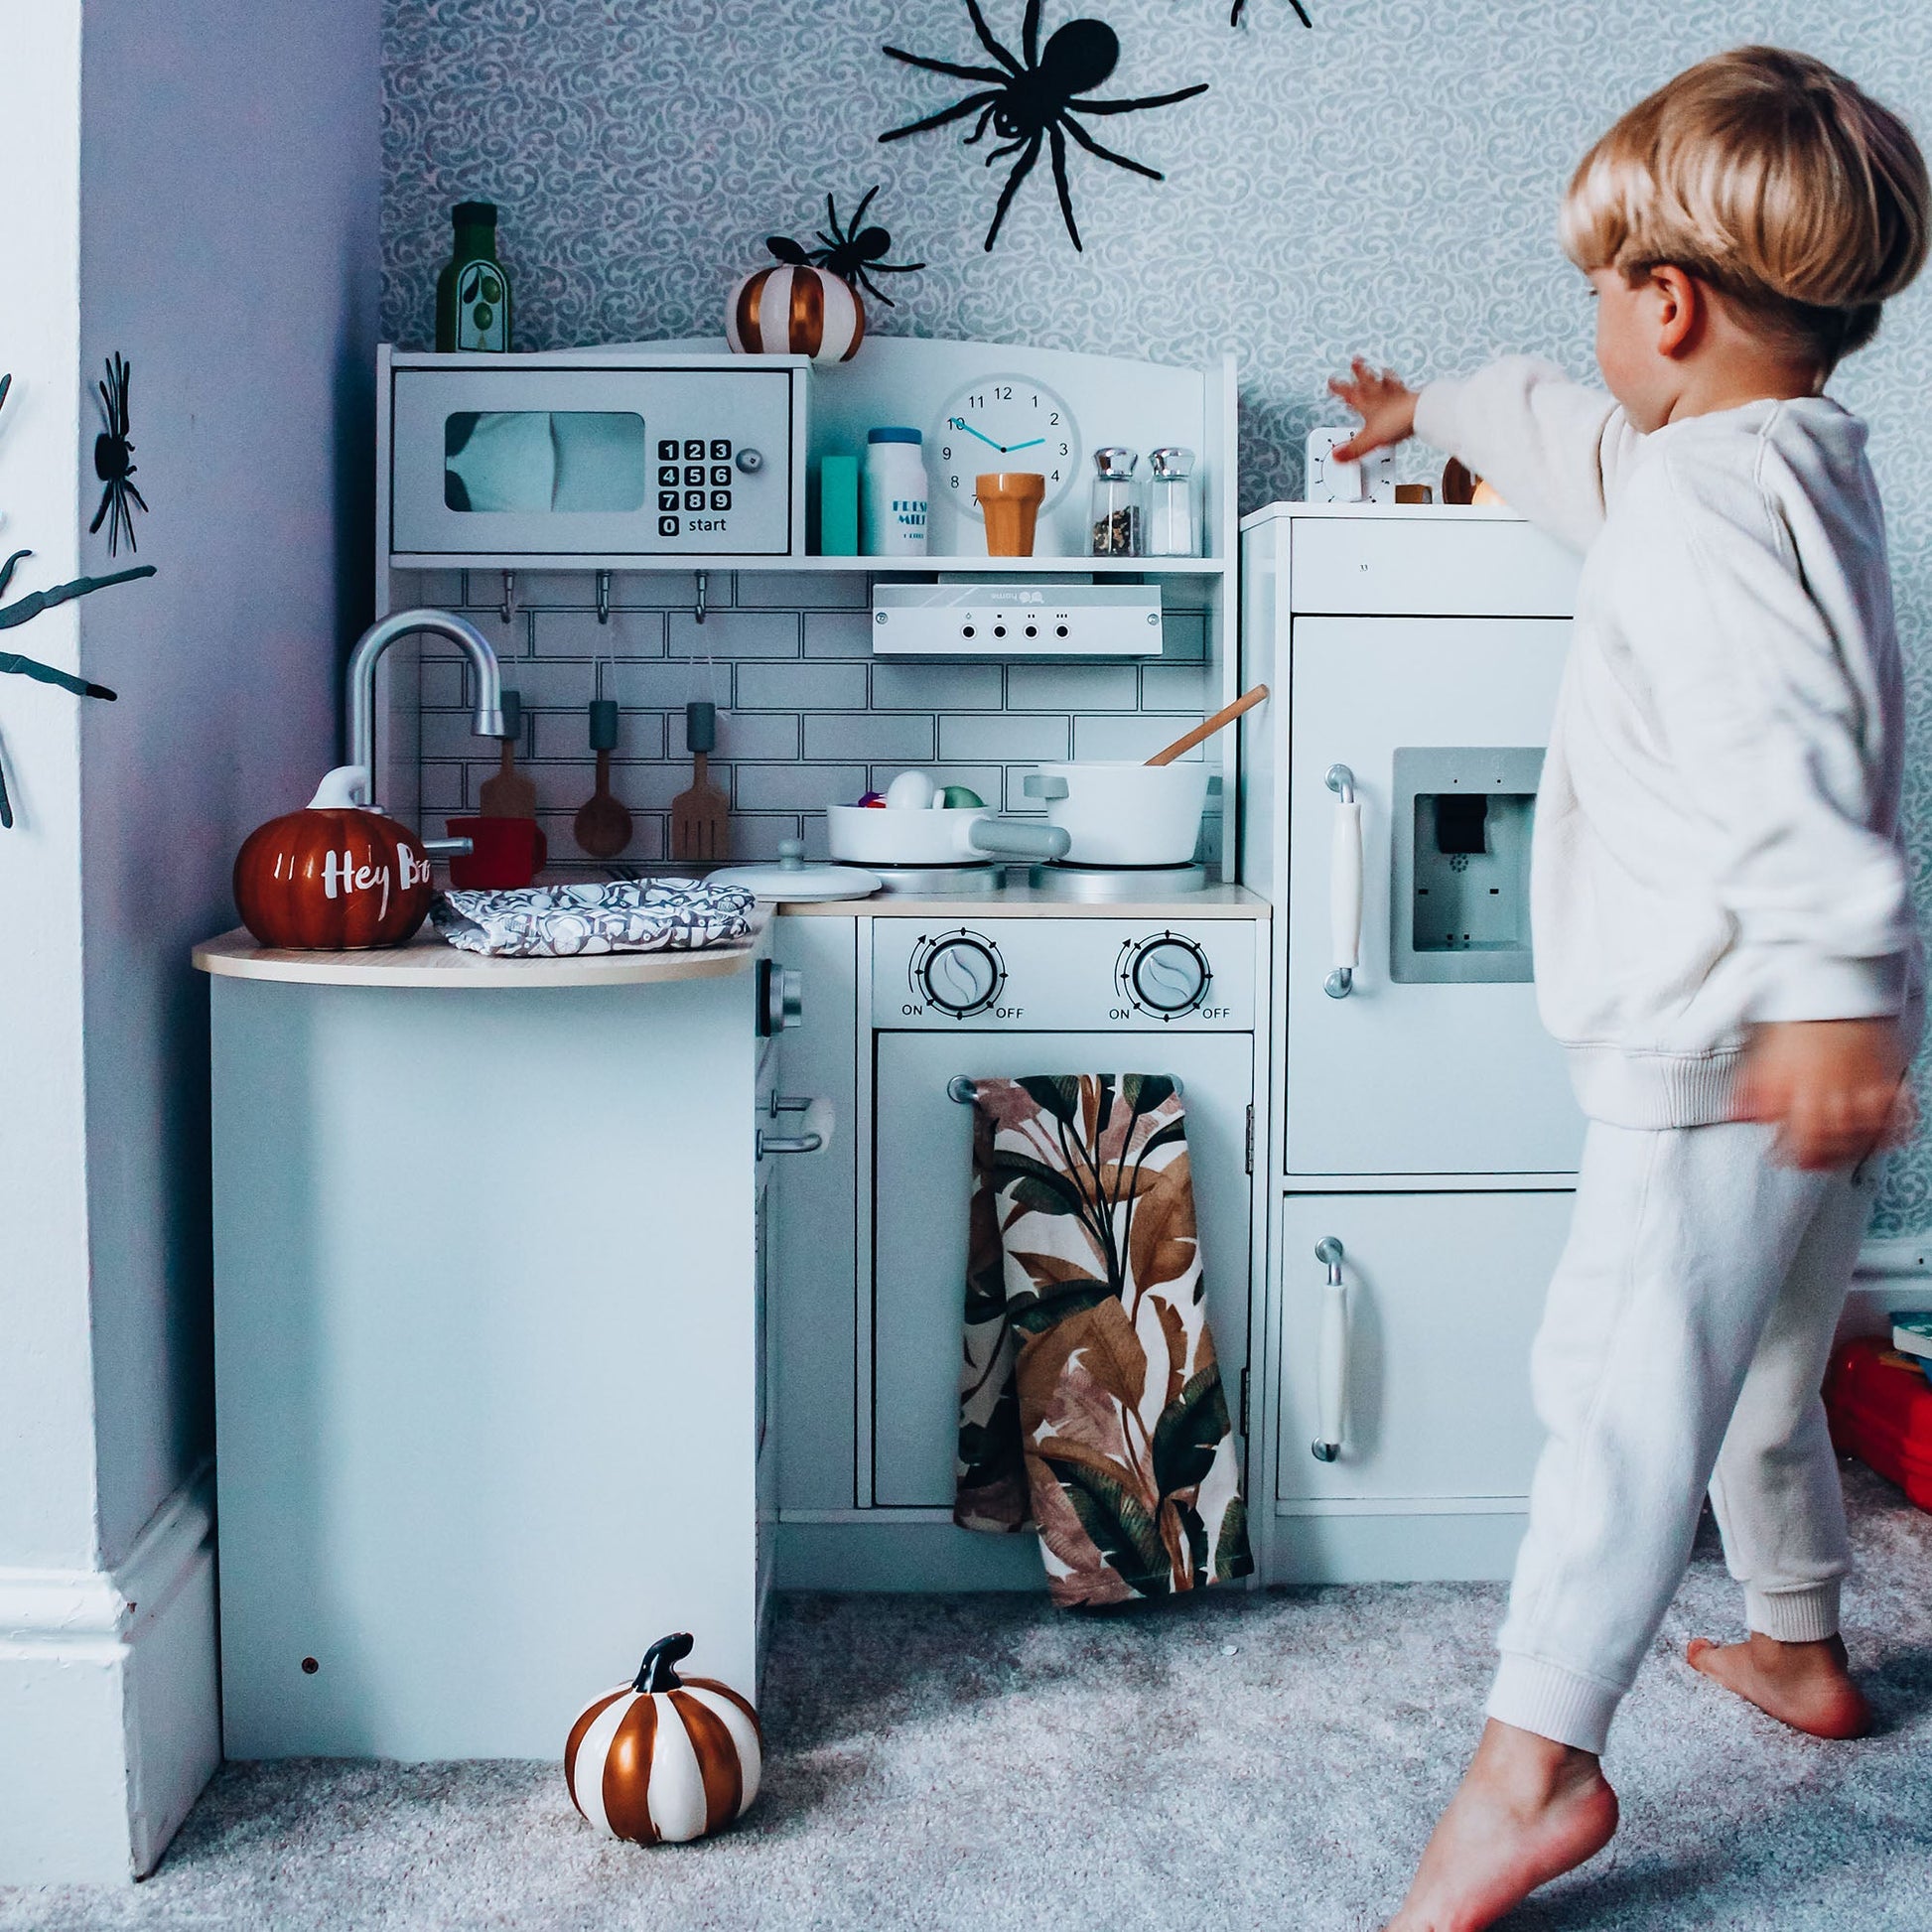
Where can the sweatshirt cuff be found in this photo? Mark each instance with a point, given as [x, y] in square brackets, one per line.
[1834, 989]
[1436, 414]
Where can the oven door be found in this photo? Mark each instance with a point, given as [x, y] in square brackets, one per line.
[922, 1171]
[585, 462]
[1427, 1057]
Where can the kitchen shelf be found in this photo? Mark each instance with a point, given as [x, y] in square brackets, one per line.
[685, 565]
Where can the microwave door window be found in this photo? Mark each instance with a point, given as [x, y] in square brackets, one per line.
[543, 461]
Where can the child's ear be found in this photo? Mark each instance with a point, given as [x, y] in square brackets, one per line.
[1677, 303]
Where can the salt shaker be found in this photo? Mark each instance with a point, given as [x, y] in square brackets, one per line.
[1116, 505]
[1172, 530]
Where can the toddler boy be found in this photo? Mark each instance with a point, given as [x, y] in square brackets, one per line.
[1724, 937]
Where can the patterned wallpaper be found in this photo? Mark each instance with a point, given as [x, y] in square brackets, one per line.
[1385, 183]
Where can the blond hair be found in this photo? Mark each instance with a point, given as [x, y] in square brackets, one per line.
[1770, 176]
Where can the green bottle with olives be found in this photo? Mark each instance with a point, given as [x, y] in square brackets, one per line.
[473, 294]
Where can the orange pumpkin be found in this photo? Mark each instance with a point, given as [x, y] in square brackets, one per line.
[787, 310]
[664, 1758]
[335, 876]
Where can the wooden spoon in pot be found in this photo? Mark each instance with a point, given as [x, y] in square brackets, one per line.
[1207, 728]
[603, 825]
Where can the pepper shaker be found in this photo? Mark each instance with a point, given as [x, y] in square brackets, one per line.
[1172, 530]
[1116, 505]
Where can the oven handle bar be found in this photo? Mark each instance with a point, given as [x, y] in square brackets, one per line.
[1332, 1354]
[1344, 885]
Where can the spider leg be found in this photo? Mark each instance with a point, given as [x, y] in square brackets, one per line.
[873, 289]
[1092, 146]
[890, 268]
[979, 128]
[1061, 183]
[6, 806]
[126, 388]
[958, 111]
[1020, 169]
[998, 75]
[1030, 33]
[987, 41]
[859, 215]
[1012, 147]
[1135, 106]
[7, 569]
[132, 491]
[106, 497]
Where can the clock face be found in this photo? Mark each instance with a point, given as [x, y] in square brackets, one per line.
[1004, 422]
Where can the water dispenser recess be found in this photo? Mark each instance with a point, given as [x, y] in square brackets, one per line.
[1461, 823]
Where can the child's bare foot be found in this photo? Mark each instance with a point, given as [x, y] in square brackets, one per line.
[1807, 1686]
[1528, 1810]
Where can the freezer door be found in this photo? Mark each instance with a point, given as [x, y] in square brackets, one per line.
[1434, 1060]
[1430, 1387]
[923, 1170]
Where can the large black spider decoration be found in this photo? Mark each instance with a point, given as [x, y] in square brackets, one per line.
[1033, 101]
[852, 253]
[12, 663]
[113, 460]
[1240, 9]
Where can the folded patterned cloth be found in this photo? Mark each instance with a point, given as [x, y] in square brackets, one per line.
[1090, 1400]
[562, 922]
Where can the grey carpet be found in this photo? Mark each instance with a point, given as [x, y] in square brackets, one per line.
[1268, 1759]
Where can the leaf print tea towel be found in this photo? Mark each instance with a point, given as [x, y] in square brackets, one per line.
[1091, 1403]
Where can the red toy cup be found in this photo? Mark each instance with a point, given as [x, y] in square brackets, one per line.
[508, 852]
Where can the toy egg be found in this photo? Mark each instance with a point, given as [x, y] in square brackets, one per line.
[664, 1759]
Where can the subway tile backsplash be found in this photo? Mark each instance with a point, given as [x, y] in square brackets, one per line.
[806, 716]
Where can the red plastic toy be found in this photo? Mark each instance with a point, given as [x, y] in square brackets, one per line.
[1883, 1413]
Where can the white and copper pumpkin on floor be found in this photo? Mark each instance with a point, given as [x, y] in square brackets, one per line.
[664, 1759]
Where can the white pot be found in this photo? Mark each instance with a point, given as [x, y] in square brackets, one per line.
[1125, 814]
[959, 835]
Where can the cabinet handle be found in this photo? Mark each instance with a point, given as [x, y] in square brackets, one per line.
[1344, 885]
[818, 1122]
[1332, 1354]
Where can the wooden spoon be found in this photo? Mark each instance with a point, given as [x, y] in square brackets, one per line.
[701, 821]
[603, 825]
[509, 794]
[1207, 728]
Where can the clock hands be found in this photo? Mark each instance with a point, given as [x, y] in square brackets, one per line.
[987, 440]
[1033, 445]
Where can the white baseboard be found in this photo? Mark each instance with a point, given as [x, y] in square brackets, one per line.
[109, 1711]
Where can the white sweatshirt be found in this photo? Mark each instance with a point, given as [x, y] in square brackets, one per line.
[1717, 828]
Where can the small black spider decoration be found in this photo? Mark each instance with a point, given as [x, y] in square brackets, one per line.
[852, 253]
[1241, 7]
[12, 663]
[113, 460]
[1032, 101]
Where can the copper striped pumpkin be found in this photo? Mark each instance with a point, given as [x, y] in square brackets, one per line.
[796, 311]
[664, 1757]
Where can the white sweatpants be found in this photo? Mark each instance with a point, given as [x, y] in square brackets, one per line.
[1685, 1339]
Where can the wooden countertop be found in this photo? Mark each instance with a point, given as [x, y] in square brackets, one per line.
[1023, 903]
[429, 962]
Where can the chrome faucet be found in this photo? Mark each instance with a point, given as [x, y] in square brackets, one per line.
[488, 718]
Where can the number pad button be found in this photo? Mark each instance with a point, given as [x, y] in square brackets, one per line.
[721, 499]
[667, 449]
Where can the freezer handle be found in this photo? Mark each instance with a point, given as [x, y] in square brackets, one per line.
[1332, 1354]
[1344, 885]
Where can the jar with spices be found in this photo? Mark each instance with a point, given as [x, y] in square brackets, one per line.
[1172, 530]
[1116, 505]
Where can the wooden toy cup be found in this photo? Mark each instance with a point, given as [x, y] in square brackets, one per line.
[1009, 500]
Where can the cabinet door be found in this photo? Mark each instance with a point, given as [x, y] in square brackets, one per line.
[922, 1172]
[1443, 1294]
[1437, 1075]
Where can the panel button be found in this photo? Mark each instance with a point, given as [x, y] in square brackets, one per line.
[694, 499]
[667, 449]
[693, 474]
[667, 500]
[721, 477]
[667, 526]
[721, 499]
[667, 476]
[721, 450]
[694, 449]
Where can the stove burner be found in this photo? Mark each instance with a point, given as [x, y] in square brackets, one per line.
[1099, 885]
[941, 881]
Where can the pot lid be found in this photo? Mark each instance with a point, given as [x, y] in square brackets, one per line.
[792, 879]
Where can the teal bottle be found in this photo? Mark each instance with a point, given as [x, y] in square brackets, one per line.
[473, 294]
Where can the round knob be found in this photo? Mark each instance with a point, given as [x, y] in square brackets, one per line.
[751, 462]
[1169, 975]
[960, 976]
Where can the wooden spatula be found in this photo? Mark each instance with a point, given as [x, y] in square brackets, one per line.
[510, 795]
[603, 825]
[1207, 728]
[701, 818]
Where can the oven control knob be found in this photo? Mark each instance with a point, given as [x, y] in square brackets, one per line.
[751, 462]
[961, 974]
[1168, 976]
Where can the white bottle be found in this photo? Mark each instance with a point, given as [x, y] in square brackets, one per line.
[896, 496]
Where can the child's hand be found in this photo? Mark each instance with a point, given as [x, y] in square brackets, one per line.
[1386, 405]
[1835, 1089]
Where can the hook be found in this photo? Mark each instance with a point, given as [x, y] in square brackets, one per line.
[703, 584]
[604, 597]
[510, 595]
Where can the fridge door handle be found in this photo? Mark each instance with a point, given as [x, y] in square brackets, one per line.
[1344, 885]
[1332, 1354]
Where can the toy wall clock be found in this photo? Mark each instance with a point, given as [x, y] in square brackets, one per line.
[1004, 422]
[114, 461]
[1036, 101]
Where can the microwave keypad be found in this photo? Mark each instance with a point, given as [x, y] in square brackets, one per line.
[694, 478]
